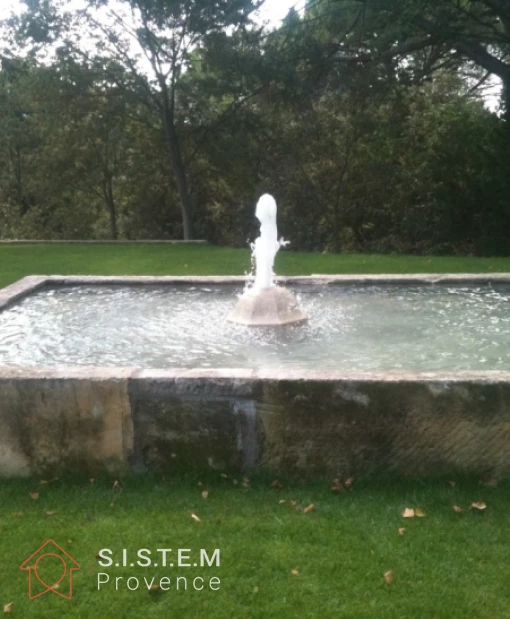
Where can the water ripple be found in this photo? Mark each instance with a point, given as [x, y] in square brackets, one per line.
[354, 327]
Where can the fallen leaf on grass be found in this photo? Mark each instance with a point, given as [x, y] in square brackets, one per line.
[491, 483]
[205, 494]
[309, 509]
[50, 513]
[337, 485]
[276, 485]
[8, 608]
[34, 496]
[43, 482]
[419, 512]
[282, 501]
[479, 506]
[408, 512]
[224, 475]
[388, 577]
[293, 503]
[349, 483]
[294, 572]
[457, 509]
[452, 484]
[255, 589]
[195, 518]
[154, 588]
[117, 486]
[401, 531]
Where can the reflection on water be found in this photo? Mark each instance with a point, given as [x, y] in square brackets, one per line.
[352, 328]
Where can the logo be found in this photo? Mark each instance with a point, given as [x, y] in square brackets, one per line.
[60, 563]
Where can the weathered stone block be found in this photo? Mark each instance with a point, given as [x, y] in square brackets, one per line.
[50, 423]
[407, 427]
[194, 422]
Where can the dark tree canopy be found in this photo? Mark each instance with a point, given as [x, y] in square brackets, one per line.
[368, 120]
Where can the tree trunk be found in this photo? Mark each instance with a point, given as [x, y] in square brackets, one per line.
[112, 210]
[174, 150]
[113, 220]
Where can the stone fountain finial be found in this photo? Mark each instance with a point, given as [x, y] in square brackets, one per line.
[265, 303]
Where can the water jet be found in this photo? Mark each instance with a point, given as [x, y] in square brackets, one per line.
[265, 303]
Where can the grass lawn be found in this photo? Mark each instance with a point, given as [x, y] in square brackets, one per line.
[276, 560]
[444, 565]
[19, 260]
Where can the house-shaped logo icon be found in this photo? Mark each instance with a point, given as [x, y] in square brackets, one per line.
[63, 585]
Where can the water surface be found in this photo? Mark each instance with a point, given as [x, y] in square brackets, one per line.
[358, 327]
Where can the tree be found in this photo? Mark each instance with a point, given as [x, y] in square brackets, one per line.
[152, 40]
[368, 129]
[419, 37]
[94, 134]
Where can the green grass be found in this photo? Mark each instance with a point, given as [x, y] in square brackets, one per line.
[16, 261]
[447, 565]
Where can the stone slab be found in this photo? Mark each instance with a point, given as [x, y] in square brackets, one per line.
[346, 428]
[21, 288]
[105, 242]
[194, 422]
[52, 421]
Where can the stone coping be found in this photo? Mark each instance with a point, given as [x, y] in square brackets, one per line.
[105, 242]
[21, 288]
[239, 376]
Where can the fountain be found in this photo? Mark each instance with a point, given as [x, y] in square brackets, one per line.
[393, 374]
[265, 303]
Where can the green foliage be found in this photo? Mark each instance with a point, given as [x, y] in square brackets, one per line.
[364, 118]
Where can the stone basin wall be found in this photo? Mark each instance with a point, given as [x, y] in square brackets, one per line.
[305, 423]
